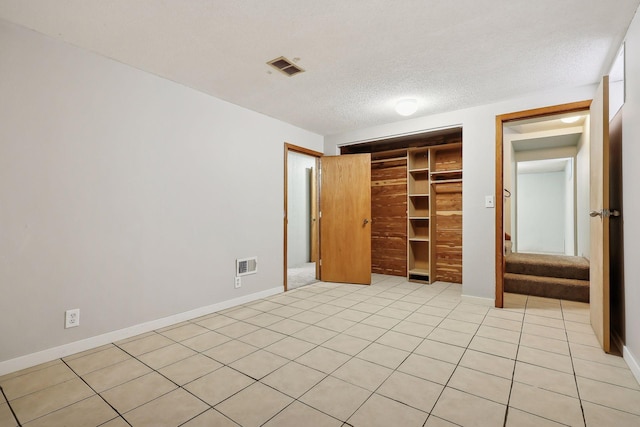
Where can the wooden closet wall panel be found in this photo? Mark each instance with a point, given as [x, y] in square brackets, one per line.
[448, 159]
[389, 217]
[448, 232]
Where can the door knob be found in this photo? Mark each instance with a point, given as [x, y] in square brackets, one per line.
[365, 222]
[594, 214]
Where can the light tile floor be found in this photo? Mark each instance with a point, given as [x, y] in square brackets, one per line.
[390, 354]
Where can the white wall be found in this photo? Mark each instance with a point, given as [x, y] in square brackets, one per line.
[541, 212]
[478, 151]
[535, 155]
[509, 181]
[569, 209]
[125, 195]
[583, 241]
[299, 208]
[630, 178]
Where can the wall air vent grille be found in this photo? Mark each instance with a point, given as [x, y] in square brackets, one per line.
[285, 66]
[246, 266]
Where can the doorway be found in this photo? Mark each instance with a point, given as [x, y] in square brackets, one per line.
[301, 240]
[546, 184]
[508, 129]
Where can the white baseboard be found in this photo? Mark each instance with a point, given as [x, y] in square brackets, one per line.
[632, 361]
[488, 302]
[50, 354]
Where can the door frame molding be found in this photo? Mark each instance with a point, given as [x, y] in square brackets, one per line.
[499, 189]
[301, 150]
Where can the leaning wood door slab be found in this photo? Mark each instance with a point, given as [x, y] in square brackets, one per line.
[599, 206]
[345, 222]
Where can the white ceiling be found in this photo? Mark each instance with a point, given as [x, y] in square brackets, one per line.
[541, 133]
[360, 56]
[543, 166]
[546, 142]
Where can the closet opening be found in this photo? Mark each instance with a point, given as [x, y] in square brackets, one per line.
[416, 205]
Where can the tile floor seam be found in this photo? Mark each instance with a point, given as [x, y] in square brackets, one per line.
[15, 416]
[210, 408]
[95, 393]
[297, 400]
[122, 415]
[573, 368]
[458, 364]
[195, 379]
[449, 379]
[45, 388]
[380, 385]
[513, 373]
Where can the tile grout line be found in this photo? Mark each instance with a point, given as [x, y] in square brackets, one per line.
[458, 365]
[10, 407]
[320, 345]
[355, 356]
[167, 378]
[326, 375]
[396, 369]
[528, 363]
[573, 368]
[515, 362]
[96, 393]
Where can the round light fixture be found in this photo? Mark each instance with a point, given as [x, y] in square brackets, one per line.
[572, 119]
[406, 107]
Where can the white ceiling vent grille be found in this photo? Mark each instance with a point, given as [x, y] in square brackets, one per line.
[246, 266]
[285, 66]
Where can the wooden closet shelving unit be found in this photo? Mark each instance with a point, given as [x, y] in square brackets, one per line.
[418, 202]
[446, 199]
[416, 205]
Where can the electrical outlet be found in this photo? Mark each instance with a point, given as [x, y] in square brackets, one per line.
[72, 318]
[238, 282]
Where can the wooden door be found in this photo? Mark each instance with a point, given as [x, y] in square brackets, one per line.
[313, 182]
[599, 208]
[345, 221]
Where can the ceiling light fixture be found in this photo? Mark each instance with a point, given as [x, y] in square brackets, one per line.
[406, 107]
[569, 120]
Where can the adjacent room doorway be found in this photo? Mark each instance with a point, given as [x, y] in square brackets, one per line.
[327, 218]
[301, 232]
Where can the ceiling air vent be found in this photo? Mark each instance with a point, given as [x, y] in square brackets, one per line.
[284, 65]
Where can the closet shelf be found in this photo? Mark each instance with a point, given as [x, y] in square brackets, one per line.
[391, 160]
[446, 181]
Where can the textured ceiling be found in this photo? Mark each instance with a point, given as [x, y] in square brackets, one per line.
[360, 56]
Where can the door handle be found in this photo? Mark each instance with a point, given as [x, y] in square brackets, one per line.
[607, 213]
[365, 222]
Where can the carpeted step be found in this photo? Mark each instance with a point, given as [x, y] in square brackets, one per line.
[564, 267]
[549, 287]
